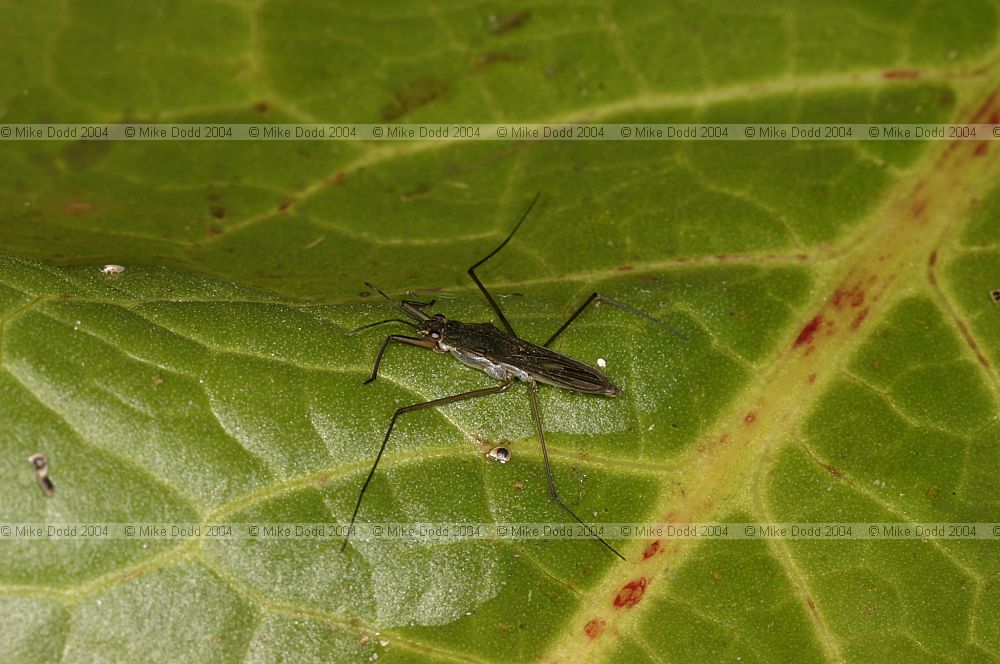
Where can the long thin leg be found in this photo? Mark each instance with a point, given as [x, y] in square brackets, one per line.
[413, 341]
[486, 391]
[548, 471]
[615, 303]
[472, 270]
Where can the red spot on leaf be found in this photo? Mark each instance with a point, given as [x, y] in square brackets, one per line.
[625, 268]
[901, 73]
[724, 438]
[651, 550]
[811, 603]
[856, 323]
[808, 332]
[984, 109]
[918, 208]
[812, 378]
[855, 295]
[750, 417]
[631, 593]
[594, 628]
[933, 258]
[285, 204]
[981, 149]
[338, 177]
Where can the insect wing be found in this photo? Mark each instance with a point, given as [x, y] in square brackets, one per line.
[548, 366]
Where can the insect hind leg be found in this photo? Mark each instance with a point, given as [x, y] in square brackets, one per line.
[548, 472]
[486, 391]
[597, 297]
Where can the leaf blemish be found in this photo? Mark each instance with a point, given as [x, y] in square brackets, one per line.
[494, 57]
[652, 549]
[856, 296]
[501, 24]
[413, 95]
[856, 323]
[808, 332]
[901, 73]
[594, 628]
[78, 207]
[750, 417]
[631, 593]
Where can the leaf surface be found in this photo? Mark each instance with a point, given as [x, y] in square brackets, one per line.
[839, 362]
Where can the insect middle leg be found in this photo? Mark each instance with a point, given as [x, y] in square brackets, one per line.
[597, 297]
[413, 341]
[548, 471]
[486, 391]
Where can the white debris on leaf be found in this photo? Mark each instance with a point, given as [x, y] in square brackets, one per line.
[111, 268]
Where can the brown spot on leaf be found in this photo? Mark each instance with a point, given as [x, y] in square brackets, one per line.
[494, 57]
[502, 24]
[901, 73]
[421, 190]
[78, 207]
[594, 628]
[413, 95]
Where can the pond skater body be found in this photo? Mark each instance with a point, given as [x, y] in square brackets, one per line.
[502, 355]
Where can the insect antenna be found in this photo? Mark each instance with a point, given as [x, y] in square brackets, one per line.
[381, 322]
[408, 307]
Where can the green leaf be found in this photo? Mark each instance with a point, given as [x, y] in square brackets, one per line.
[839, 361]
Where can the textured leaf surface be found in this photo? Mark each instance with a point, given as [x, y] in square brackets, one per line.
[840, 362]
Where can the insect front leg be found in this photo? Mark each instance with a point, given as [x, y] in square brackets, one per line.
[548, 471]
[597, 297]
[413, 341]
[486, 391]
